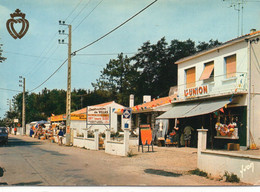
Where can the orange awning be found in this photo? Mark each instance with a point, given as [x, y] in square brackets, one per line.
[207, 71]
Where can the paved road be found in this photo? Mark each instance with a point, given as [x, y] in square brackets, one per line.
[31, 162]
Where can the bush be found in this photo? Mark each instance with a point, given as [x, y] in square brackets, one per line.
[231, 177]
[198, 172]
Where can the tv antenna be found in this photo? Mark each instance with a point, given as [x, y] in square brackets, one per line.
[238, 6]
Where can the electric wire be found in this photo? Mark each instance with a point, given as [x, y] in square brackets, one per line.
[73, 10]
[4, 89]
[49, 76]
[80, 12]
[87, 15]
[74, 53]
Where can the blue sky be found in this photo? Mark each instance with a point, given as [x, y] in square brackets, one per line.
[37, 55]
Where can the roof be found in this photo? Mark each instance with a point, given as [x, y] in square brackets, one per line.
[228, 43]
[152, 105]
[84, 110]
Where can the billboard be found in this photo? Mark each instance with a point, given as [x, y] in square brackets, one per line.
[98, 115]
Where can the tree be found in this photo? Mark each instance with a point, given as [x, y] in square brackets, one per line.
[116, 79]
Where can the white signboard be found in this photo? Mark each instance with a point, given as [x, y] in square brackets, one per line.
[98, 116]
[16, 120]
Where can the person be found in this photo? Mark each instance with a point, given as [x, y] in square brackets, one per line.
[187, 135]
[31, 132]
[176, 133]
[15, 130]
[60, 135]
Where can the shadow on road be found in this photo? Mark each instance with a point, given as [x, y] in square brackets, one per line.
[162, 173]
[13, 142]
[28, 183]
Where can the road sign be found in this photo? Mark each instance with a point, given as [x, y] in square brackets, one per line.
[127, 113]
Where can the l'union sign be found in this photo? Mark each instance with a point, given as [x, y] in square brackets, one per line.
[196, 91]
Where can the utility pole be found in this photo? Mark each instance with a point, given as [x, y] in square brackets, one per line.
[1, 58]
[23, 110]
[68, 98]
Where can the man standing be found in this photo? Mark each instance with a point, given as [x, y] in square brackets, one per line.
[187, 135]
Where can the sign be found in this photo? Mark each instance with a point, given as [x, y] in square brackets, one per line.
[78, 117]
[145, 134]
[127, 113]
[17, 17]
[197, 91]
[98, 116]
[16, 120]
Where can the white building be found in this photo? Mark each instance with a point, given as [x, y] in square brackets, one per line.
[103, 116]
[220, 84]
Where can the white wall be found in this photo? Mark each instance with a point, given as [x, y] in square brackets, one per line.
[220, 84]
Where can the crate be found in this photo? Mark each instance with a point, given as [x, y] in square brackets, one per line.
[233, 147]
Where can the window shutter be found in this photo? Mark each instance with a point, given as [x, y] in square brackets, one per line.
[231, 66]
[190, 77]
[207, 71]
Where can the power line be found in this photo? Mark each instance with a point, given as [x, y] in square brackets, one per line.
[74, 53]
[50, 76]
[114, 28]
[80, 12]
[10, 90]
[73, 9]
[88, 15]
[98, 54]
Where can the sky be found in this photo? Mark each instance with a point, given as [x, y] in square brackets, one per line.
[38, 54]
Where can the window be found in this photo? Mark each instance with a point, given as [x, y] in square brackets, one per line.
[208, 72]
[230, 66]
[190, 77]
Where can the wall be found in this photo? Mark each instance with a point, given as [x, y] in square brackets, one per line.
[115, 148]
[216, 163]
[246, 167]
[88, 143]
[255, 90]
[220, 84]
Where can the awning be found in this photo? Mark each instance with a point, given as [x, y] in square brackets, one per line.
[190, 109]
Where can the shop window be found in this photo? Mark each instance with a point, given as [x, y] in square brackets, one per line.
[208, 72]
[190, 77]
[230, 66]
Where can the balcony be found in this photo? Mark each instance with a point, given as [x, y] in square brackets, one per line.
[215, 86]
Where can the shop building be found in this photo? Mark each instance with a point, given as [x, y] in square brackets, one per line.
[218, 90]
[101, 117]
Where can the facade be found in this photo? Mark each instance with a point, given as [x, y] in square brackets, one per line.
[218, 87]
[103, 116]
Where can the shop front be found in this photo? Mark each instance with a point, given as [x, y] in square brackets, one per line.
[224, 118]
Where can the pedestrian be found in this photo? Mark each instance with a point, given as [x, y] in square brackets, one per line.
[176, 130]
[60, 135]
[15, 130]
[187, 135]
[31, 132]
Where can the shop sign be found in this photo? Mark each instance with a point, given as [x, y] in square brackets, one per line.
[98, 115]
[78, 116]
[196, 91]
[145, 134]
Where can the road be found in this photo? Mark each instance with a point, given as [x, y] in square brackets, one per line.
[32, 162]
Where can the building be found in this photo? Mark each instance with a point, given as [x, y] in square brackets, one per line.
[101, 117]
[219, 87]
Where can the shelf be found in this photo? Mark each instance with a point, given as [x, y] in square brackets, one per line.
[223, 137]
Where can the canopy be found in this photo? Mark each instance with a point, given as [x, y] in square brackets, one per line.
[190, 109]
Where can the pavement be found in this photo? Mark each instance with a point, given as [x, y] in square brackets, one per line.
[52, 164]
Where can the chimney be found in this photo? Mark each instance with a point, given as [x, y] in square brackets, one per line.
[252, 30]
[131, 100]
[146, 98]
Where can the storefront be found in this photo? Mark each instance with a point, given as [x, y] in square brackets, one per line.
[222, 116]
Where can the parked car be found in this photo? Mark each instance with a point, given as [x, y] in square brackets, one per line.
[3, 135]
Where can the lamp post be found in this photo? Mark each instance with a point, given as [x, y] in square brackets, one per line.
[68, 98]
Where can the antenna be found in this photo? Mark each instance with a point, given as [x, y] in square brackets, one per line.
[238, 6]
